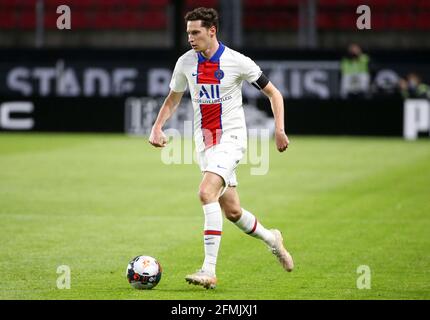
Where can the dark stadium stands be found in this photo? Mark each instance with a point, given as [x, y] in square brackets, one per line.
[338, 14]
[88, 14]
[270, 15]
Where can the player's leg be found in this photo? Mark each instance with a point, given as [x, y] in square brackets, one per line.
[248, 223]
[209, 192]
[210, 188]
[243, 219]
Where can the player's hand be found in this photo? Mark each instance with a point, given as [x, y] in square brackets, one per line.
[281, 140]
[157, 138]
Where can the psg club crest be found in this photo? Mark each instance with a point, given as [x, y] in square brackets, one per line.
[219, 74]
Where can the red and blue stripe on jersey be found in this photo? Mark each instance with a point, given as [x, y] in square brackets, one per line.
[211, 122]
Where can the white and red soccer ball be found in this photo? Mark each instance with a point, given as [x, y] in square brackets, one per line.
[143, 272]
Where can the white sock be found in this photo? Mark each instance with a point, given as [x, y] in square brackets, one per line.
[212, 235]
[249, 224]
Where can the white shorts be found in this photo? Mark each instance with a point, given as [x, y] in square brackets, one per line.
[222, 159]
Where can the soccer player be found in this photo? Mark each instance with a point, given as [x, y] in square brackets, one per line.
[214, 74]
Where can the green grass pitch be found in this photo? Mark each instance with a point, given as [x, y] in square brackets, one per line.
[93, 202]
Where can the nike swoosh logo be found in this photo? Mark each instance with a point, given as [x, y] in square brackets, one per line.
[195, 74]
[221, 167]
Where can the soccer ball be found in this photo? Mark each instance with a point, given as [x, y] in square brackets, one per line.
[143, 272]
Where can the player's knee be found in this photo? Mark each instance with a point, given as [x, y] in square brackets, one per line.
[206, 195]
[233, 213]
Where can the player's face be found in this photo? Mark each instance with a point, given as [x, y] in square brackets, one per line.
[199, 37]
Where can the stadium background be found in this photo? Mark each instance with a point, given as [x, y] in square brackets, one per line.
[110, 73]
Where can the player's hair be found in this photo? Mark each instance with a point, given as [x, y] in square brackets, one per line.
[208, 16]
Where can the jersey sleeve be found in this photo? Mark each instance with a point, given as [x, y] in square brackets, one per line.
[178, 83]
[250, 70]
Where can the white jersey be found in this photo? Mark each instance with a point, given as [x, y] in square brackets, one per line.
[216, 92]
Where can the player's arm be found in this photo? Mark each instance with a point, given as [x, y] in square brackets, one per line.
[277, 103]
[157, 137]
